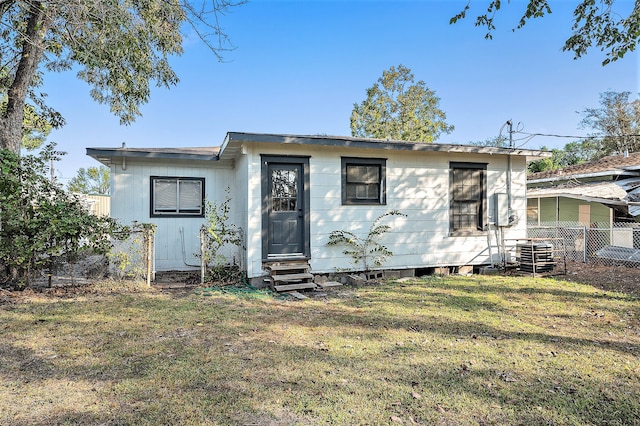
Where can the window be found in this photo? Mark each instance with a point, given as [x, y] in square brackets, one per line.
[467, 182]
[172, 196]
[363, 180]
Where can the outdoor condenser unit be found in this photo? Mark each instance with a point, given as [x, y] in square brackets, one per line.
[536, 258]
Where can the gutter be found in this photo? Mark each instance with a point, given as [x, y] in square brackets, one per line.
[616, 173]
[586, 198]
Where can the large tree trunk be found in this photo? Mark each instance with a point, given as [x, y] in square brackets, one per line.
[31, 54]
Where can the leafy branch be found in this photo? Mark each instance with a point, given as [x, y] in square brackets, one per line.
[367, 250]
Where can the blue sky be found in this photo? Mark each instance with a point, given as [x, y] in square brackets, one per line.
[299, 66]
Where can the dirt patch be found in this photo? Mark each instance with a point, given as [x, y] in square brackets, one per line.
[606, 277]
[613, 278]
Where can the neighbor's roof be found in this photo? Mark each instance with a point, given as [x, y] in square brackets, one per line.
[600, 192]
[614, 165]
[232, 146]
[624, 192]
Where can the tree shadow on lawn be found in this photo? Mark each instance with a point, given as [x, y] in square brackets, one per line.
[211, 353]
[372, 324]
[488, 286]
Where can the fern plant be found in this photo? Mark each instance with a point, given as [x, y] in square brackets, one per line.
[365, 250]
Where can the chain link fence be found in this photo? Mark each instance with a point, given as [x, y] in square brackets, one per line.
[611, 246]
[131, 257]
[222, 258]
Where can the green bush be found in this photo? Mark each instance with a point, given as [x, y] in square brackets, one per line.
[219, 233]
[39, 221]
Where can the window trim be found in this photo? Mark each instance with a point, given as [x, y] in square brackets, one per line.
[152, 210]
[359, 161]
[482, 215]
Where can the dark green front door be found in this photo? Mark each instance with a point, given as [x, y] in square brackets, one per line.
[286, 213]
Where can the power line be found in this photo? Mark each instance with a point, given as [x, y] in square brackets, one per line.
[576, 137]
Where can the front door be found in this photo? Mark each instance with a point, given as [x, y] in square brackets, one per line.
[285, 207]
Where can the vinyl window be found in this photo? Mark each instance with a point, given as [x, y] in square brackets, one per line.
[177, 196]
[363, 180]
[467, 185]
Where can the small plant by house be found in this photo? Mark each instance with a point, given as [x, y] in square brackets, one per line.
[219, 235]
[366, 251]
[131, 252]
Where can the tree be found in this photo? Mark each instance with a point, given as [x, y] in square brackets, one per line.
[617, 130]
[399, 108]
[119, 47]
[577, 152]
[35, 128]
[499, 141]
[40, 222]
[93, 180]
[616, 122]
[595, 23]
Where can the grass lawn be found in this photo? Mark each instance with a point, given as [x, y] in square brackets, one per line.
[438, 351]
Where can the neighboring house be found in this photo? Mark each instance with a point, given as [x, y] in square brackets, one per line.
[96, 204]
[99, 204]
[594, 194]
[288, 193]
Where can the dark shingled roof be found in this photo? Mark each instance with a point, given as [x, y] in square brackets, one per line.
[615, 164]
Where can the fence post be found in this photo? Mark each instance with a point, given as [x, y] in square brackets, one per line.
[202, 259]
[584, 244]
[147, 240]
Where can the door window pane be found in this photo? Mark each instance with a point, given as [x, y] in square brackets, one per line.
[284, 189]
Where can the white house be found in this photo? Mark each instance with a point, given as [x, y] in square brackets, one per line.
[289, 192]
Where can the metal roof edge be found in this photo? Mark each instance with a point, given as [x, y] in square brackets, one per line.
[104, 153]
[345, 141]
[616, 172]
[582, 197]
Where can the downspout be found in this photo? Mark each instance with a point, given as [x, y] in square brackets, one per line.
[184, 251]
[124, 159]
[509, 208]
[511, 217]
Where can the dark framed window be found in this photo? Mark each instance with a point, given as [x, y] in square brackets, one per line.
[177, 196]
[467, 189]
[363, 180]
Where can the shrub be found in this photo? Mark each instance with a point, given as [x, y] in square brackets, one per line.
[218, 233]
[39, 221]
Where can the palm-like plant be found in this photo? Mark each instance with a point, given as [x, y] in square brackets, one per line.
[366, 250]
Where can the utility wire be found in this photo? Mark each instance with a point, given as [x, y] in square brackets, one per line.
[577, 137]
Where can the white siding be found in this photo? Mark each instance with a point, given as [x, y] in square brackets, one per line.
[417, 185]
[240, 205]
[177, 239]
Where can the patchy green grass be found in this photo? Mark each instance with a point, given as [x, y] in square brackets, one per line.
[439, 351]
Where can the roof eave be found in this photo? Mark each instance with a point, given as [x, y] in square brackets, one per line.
[104, 155]
[611, 201]
[616, 173]
[342, 141]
